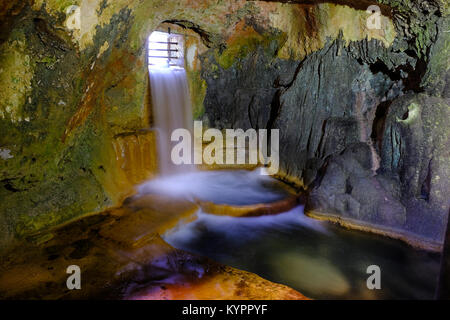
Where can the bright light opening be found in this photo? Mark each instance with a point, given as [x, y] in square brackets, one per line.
[165, 50]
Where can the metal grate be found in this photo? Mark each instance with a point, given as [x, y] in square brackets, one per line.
[161, 52]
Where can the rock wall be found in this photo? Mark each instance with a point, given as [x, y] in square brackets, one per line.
[360, 115]
[74, 104]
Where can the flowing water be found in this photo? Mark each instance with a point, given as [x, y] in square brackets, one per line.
[238, 188]
[316, 258]
[171, 109]
[319, 259]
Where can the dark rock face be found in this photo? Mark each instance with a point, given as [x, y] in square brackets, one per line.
[406, 195]
[415, 151]
[321, 104]
[236, 100]
[330, 104]
[436, 80]
[354, 127]
[443, 291]
[350, 189]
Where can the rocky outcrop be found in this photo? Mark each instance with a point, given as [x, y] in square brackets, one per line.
[59, 139]
[406, 196]
[359, 122]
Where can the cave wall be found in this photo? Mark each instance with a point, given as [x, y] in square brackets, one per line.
[74, 104]
[360, 115]
[75, 113]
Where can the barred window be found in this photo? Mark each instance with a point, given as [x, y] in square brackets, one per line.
[165, 50]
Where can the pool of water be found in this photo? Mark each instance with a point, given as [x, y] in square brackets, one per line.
[319, 259]
[237, 187]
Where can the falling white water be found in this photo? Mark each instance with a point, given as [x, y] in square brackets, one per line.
[233, 187]
[171, 109]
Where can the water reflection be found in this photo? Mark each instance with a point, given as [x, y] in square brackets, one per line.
[319, 259]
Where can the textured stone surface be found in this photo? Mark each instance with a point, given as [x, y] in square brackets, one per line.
[354, 126]
[312, 102]
[122, 256]
[407, 193]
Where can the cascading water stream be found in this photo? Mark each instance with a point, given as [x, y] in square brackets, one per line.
[314, 257]
[171, 109]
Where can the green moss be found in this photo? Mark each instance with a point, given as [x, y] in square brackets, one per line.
[413, 114]
[240, 47]
[68, 186]
[125, 102]
[58, 5]
[197, 87]
[47, 181]
[439, 62]
[421, 27]
[16, 73]
[48, 61]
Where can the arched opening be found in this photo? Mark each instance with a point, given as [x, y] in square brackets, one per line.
[165, 49]
[169, 87]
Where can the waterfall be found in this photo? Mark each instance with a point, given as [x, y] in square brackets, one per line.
[171, 110]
